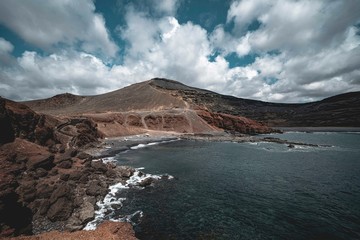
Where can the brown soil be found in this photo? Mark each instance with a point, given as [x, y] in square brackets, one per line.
[106, 230]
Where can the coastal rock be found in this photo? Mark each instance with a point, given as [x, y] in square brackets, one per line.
[65, 176]
[45, 161]
[67, 155]
[95, 188]
[60, 210]
[41, 172]
[146, 182]
[87, 212]
[83, 155]
[99, 166]
[126, 171]
[44, 191]
[61, 190]
[66, 164]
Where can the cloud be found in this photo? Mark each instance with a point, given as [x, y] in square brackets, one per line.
[49, 24]
[305, 50]
[166, 7]
[36, 76]
[5, 51]
[5, 46]
[294, 26]
[168, 49]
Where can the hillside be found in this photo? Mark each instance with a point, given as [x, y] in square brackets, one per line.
[153, 99]
[338, 111]
[154, 105]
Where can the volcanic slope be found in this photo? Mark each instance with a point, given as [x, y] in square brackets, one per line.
[154, 105]
[167, 105]
[338, 111]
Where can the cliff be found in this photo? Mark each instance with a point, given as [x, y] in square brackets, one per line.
[46, 181]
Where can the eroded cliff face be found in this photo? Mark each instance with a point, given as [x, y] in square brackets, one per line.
[44, 176]
[234, 124]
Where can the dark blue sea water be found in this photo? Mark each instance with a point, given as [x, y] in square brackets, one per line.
[250, 191]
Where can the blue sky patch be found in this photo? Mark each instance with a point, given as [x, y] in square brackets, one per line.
[236, 61]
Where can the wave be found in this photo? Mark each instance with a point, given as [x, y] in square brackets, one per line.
[109, 160]
[144, 145]
[112, 202]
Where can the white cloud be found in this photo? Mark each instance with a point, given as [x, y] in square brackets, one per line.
[36, 76]
[294, 26]
[166, 7]
[318, 54]
[47, 24]
[243, 13]
[5, 51]
[5, 46]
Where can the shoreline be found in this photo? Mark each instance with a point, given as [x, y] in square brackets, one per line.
[318, 129]
[110, 147]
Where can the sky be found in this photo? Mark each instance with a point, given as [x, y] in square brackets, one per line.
[270, 50]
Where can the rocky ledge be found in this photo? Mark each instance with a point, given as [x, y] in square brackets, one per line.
[47, 182]
[51, 192]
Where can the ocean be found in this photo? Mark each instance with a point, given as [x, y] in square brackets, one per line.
[226, 190]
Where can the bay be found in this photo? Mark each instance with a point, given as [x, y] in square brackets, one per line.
[225, 190]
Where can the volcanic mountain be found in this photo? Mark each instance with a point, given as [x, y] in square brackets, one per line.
[167, 105]
[154, 105]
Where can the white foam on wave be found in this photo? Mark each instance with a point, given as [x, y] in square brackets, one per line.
[109, 160]
[111, 202]
[142, 145]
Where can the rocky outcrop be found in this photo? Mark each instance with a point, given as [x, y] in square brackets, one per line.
[233, 123]
[43, 173]
[18, 120]
[36, 185]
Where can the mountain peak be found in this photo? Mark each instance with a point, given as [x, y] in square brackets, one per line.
[169, 84]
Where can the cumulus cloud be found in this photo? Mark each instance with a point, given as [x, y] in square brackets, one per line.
[305, 50]
[167, 7]
[5, 51]
[292, 25]
[5, 46]
[48, 24]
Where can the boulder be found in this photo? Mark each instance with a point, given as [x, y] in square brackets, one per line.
[94, 188]
[40, 172]
[60, 210]
[75, 175]
[68, 154]
[82, 155]
[61, 190]
[44, 191]
[86, 212]
[64, 176]
[99, 166]
[66, 164]
[126, 171]
[146, 182]
[45, 161]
